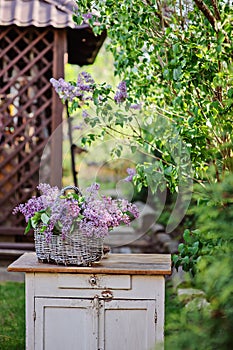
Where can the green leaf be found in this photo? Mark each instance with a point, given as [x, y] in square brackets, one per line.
[36, 219]
[28, 228]
[175, 258]
[176, 73]
[186, 235]
[133, 149]
[34, 222]
[230, 93]
[45, 218]
[43, 228]
[181, 247]
[195, 248]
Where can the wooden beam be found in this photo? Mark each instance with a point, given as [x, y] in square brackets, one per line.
[57, 109]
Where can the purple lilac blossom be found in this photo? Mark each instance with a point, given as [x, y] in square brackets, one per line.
[92, 192]
[95, 217]
[68, 92]
[74, 209]
[49, 193]
[131, 172]
[121, 93]
[85, 114]
[94, 187]
[87, 16]
[136, 106]
[79, 126]
[85, 82]
[89, 229]
[133, 209]
[64, 211]
[30, 208]
[65, 90]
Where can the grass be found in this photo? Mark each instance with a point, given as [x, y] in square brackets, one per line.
[12, 316]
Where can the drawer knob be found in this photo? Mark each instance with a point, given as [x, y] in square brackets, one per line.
[107, 295]
[93, 280]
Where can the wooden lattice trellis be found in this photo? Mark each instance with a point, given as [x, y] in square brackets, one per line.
[27, 62]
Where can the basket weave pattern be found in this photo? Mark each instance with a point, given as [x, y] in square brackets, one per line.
[75, 249]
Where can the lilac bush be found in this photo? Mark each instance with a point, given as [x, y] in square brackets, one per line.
[101, 106]
[135, 125]
[57, 213]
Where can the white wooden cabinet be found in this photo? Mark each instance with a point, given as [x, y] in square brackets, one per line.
[117, 304]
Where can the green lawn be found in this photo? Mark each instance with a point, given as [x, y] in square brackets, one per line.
[12, 316]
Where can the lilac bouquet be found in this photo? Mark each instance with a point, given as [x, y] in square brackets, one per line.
[55, 212]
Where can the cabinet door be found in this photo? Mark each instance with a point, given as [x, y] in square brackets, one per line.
[128, 325]
[66, 324]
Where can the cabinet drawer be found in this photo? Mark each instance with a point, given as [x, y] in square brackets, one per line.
[92, 281]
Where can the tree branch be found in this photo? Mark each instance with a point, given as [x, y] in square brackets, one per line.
[206, 12]
[216, 10]
[181, 14]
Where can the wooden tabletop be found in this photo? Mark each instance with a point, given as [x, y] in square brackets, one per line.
[135, 264]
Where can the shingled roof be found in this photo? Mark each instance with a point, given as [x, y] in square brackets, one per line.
[40, 13]
[58, 14]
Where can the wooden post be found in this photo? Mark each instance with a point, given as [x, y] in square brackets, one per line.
[57, 109]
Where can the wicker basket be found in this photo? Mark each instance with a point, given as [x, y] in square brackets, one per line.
[75, 249]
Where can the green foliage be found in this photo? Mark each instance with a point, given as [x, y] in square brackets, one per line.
[40, 218]
[178, 60]
[203, 325]
[208, 252]
[196, 328]
[189, 251]
[12, 316]
[214, 216]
